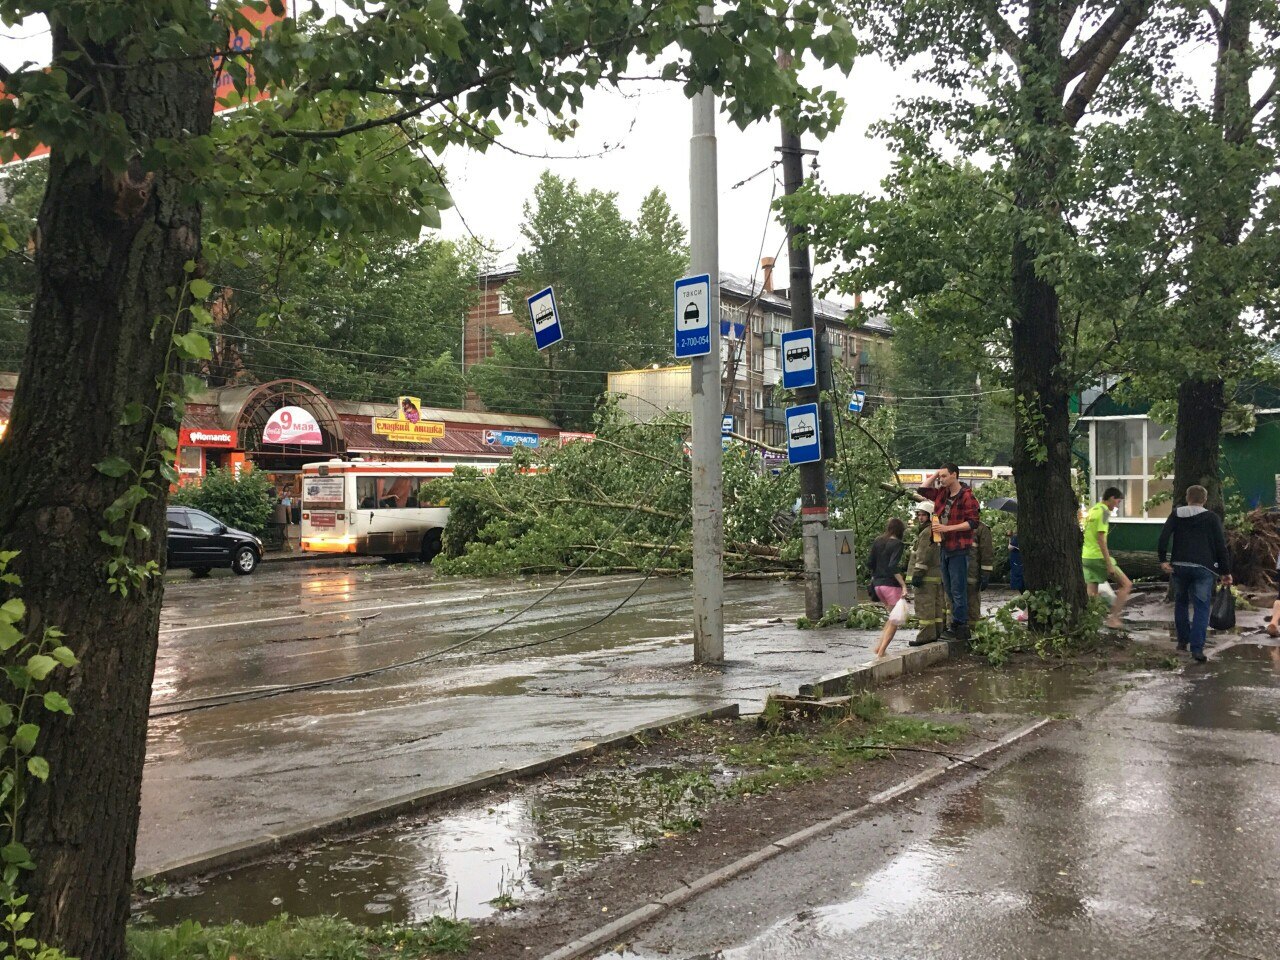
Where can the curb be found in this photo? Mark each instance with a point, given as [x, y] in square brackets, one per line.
[603, 937]
[245, 851]
[876, 672]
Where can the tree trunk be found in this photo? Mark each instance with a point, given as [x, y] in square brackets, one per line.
[1048, 517]
[1201, 405]
[111, 255]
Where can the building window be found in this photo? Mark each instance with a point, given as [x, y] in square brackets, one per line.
[1125, 453]
[757, 323]
[504, 300]
[757, 361]
[758, 399]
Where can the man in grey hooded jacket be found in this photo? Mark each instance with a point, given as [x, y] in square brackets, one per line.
[1198, 558]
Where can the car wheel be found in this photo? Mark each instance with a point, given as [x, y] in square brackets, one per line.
[431, 545]
[198, 572]
[245, 561]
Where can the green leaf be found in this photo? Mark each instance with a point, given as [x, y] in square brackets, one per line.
[200, 289]
[192, 346]
[24, 738]
[38, 767]
[133, 413]
[64, 656]
[13, 610]
[9, 635]
[113, 467]
[55, 702]
[6, 715]
[40, 666]
[16, 854]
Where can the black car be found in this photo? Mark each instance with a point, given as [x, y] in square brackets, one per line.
[200, 542]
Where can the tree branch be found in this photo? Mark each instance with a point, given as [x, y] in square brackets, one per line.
[1004, 34]
[1268, 95]
[1105, 45]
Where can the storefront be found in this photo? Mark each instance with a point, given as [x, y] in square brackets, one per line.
[277, 427]
[1126, 446]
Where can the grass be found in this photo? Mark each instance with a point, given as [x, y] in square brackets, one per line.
[785, 753]
[1145, 658]
[289, 938]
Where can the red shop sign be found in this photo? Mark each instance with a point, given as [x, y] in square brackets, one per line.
[207, 438]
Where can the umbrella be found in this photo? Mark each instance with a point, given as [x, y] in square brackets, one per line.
[1007, 504]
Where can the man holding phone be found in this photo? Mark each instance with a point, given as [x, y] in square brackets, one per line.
[955, 517]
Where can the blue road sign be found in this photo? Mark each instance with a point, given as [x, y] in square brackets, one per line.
[546, 319]
[726, 425]
[857, 400]
[693, 316]
[732, 331]
[510, 438]
[804, 434]
[799, 359]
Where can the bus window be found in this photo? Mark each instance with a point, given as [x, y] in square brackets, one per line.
[386, 493]
[398, 492]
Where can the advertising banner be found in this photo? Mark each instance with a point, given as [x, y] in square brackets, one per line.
[292, 425]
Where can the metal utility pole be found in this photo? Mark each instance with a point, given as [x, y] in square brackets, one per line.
[708, 507]
[813, 476]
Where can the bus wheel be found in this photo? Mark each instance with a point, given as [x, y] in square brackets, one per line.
[431, 545]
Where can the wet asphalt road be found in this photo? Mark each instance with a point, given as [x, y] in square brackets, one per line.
[1149, 829]
[250, 769]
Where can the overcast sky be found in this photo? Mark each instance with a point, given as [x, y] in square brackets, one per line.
[644, 132]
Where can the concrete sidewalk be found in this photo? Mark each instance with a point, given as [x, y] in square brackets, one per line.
[257, 769]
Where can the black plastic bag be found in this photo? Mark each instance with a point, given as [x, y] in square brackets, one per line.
[1222, 615]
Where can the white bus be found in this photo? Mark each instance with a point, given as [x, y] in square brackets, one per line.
[975, 477]
[374, 507]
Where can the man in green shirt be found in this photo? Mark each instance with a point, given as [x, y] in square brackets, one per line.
[1096, 557]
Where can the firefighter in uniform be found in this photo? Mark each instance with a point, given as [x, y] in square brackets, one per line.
[982, 561]
[926, 577]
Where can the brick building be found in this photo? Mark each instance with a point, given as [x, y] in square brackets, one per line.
[492, 317]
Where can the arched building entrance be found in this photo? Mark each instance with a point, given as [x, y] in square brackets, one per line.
[252, 408]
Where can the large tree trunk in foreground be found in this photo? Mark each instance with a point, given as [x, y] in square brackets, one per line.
[112, 246]
[1048, 524]
[1201, 405]
[1048, 518]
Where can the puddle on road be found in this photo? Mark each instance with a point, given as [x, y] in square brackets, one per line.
[1239, 689]
[471, 862]
[1031, 689]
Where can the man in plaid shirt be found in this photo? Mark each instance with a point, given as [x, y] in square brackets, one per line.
[955, 511]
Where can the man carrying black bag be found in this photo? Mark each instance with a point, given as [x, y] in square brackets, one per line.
[1198, 558]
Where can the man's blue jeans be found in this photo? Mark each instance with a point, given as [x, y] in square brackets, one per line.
[1192, 585]
[955, 581]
